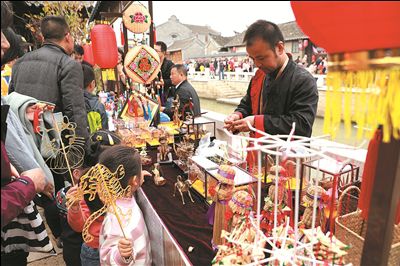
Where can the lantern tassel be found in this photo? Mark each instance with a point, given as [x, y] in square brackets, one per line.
[375, 96]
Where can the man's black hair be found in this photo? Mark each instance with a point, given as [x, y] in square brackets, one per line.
[162, 45]
[265, 30]
[78, 49]
[6, 14]
[54, 28]
[88, 75]
[181, 69]
[16, 50]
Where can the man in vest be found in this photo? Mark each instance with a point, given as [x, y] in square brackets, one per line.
[280, 93]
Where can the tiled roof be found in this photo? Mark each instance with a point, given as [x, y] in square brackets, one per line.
[204, 30]
[181, 44]
[221, 40]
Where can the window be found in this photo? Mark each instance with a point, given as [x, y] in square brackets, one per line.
[295, 47]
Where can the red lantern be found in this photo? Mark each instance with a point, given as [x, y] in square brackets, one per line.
[349, 26]
[104, 45]
[88, 54]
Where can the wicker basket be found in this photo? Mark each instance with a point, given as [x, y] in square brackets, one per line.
[351, 229]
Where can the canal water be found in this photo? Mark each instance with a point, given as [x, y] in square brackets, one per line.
[223, 108]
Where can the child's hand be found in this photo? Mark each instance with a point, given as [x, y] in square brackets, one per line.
[72, 196]
[125, 248]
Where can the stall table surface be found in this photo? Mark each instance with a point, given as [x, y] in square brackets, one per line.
[187, 223]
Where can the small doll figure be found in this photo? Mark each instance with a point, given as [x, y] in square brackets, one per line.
[175, 108]
[164, 151]
[223, 194]
[308, 201]
[283, 193]
[158, 179]
[240, 204]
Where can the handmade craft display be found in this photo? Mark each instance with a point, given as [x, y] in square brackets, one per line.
[241, 204]
[139, 109]
[100, 181]
[308, 201]
[164, 154]
[142, 64]
[184, 150]
[221, 196]
[183, 186]
[175, 109]
[136, 18]
[144, 157]
[66, 151]
[158, 179]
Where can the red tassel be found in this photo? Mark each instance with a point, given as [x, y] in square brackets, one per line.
[36, 127]
[369, 174]
[122, 36]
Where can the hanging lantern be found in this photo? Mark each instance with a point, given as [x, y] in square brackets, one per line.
[363, 42]
[136, 18]
[142, 64]
[104, 46]
[88, 54]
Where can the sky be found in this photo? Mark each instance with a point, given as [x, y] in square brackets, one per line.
[222, 16]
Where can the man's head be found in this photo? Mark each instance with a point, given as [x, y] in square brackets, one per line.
[56, 30]
[161, 49]
[78, 53]
[265, 45]
[89, 82]
[6, 21]
[178, 74]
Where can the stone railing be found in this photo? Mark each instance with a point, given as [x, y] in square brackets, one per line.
[239, 76]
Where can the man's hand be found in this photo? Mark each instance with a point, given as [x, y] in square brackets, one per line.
[242, 125]
[125, 248]
[229, 121]
[38, 177]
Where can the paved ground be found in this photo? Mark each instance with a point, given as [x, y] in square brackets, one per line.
[48, 261]
[45, 259]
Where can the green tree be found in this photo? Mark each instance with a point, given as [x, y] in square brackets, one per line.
[71, 10]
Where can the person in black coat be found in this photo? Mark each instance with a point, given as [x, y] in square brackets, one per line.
[184, 90]
[280, 93]
[164, 75]
[50, 74]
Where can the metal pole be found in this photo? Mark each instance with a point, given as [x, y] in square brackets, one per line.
[152, 24]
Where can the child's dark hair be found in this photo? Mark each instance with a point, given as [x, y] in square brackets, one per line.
[88, 75]
[112, 157]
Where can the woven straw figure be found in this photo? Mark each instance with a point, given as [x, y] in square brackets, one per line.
[282, 192]
[224, 191]
[308, 201]
[241, 203]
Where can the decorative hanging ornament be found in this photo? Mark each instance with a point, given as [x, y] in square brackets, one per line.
[362, 39]
[88, 54]
[104, 45]
[142, 64]
[136, 18]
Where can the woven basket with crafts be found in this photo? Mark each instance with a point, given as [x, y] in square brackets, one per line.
[351, 230]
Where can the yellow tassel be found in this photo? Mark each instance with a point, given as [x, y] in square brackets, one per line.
[375, 96]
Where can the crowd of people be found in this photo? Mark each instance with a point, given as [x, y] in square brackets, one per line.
[317, 66]
[55, 78]
[218, 66]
